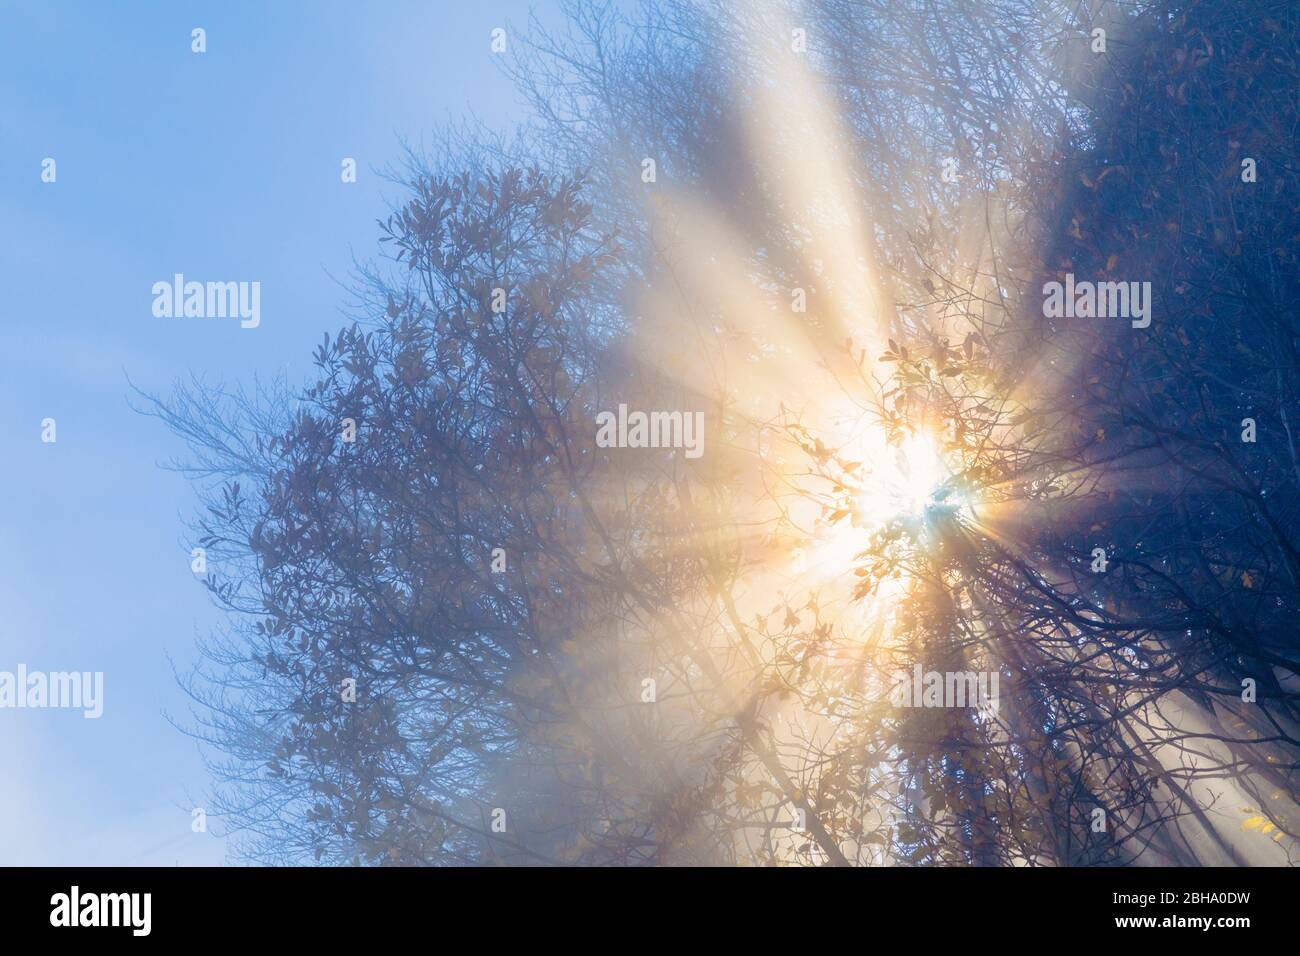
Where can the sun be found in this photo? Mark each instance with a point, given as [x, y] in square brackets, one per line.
[909, 481]
[907, 478]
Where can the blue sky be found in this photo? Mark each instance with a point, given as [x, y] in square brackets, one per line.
[223, 166]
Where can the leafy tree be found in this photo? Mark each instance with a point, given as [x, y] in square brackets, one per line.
[839, 260]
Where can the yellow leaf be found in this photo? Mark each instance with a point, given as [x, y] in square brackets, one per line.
[1246, 580]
